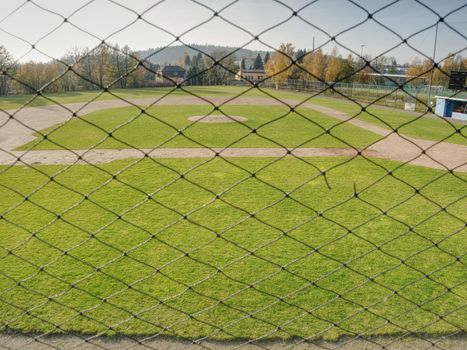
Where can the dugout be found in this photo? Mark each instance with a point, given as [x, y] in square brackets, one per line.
[451, 107]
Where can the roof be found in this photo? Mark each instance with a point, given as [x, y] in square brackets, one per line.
[172, 71]
[152, 66]
[452, 98]
[389, 75]
[261, 71]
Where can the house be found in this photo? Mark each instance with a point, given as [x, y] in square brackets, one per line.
[170, 74]
[253, 75]
[150, 70]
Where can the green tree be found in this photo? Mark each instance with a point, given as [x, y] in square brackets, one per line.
[300, 55]
[266, 58]
[258, 62]
[347, 69]
[192, 75]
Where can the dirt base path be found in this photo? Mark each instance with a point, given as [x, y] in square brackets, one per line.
[17, 128]
[433, 154]
[81, 342]
[107, 155]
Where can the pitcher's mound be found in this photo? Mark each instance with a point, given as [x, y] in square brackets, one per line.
[217, 118]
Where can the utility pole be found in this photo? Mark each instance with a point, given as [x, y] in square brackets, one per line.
[432, 70]
[361, 54]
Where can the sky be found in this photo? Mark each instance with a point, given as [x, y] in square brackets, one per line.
[144, 24]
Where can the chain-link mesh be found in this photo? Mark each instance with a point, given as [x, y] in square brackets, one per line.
[292, 203]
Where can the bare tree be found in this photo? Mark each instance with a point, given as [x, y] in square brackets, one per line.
[7, 69]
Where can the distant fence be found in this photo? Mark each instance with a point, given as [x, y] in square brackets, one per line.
[386, 95]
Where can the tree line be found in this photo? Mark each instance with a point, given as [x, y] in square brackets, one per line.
[120, 67]
[217, 68]
[83, 69]
[439, 75]
[287, 63]
[79, 69]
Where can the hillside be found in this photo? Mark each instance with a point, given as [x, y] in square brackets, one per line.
[171, 54]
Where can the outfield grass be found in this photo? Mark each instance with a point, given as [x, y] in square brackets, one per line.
[428, 128]
[275, 127]
[36, 275]
[16, 101]
[407, 123]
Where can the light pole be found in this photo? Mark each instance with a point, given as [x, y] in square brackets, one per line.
[432, 69]
[361, 54]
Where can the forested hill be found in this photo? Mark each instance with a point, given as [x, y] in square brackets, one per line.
[171, 54]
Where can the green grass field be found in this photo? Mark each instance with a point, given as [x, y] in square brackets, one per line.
[295, 278]
[275, 127]
[406, 123]
[16, 101]
[220, 253]
[410, 124]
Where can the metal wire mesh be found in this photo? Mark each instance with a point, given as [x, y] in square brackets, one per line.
[260, 240]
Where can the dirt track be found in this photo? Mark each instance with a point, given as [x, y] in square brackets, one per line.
[75, 342]
[19, 130]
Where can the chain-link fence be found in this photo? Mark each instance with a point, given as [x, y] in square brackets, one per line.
[249, 197]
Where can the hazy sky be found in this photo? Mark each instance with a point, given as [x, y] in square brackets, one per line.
[103, 18]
